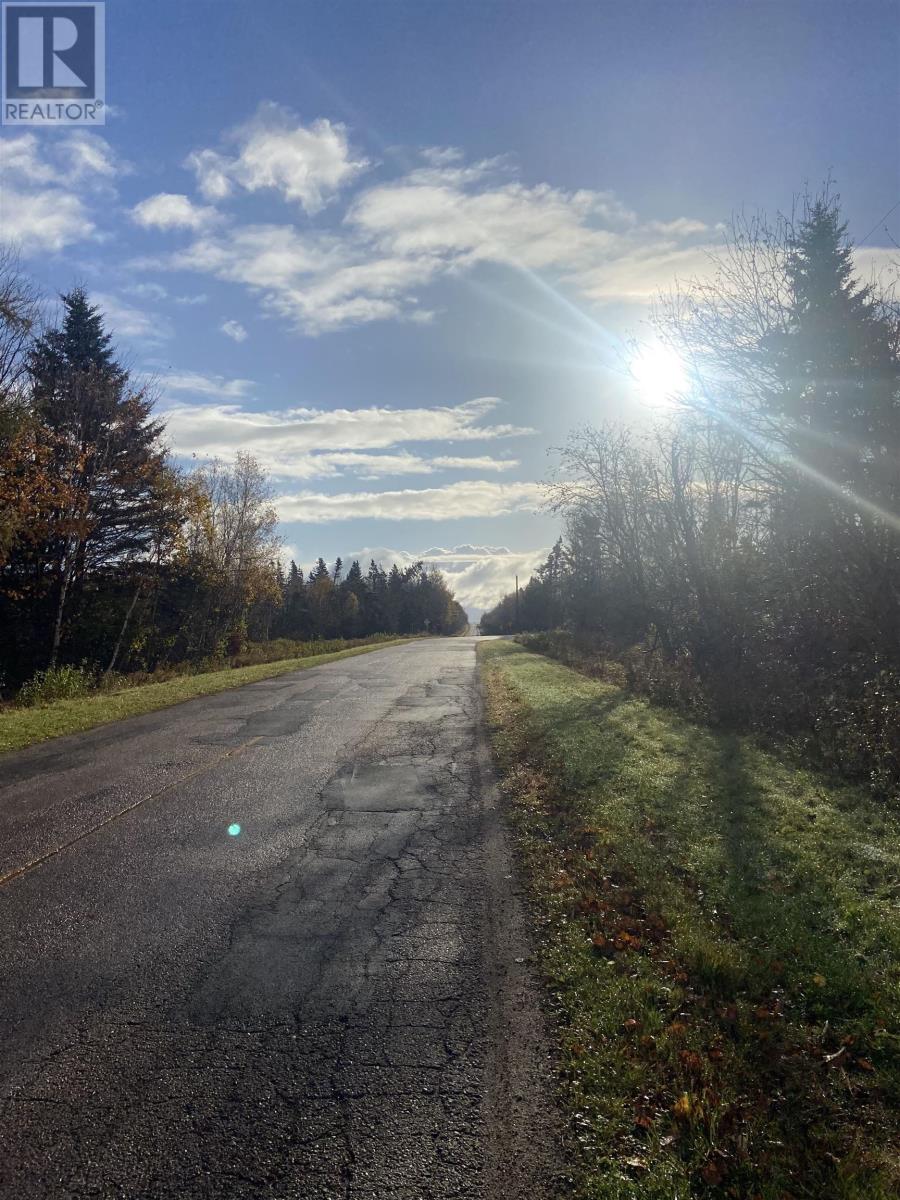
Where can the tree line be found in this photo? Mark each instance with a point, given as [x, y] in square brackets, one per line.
[742, 558]
[114, 557]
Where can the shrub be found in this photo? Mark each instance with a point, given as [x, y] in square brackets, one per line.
[57, 683]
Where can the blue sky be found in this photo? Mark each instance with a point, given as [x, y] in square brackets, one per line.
[393, 248]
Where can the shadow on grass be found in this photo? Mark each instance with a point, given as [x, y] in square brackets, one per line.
[739, 848]
[775, 953]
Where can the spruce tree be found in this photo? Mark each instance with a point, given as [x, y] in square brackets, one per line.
[838, 377]
[106, 448]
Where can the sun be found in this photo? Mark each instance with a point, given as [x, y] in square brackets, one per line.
[659, 373]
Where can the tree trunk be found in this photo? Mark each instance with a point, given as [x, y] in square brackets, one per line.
[118, 645]
[60, 607]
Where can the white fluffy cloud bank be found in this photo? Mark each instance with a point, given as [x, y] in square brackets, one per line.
[479, 575]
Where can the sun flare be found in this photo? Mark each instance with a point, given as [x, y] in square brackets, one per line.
[659, 373]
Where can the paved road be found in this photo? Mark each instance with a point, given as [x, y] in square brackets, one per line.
[332, 1002]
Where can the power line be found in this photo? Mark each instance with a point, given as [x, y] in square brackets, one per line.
[892, 209]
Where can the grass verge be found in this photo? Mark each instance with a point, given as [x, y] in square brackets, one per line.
[720, 935]
[20, 727]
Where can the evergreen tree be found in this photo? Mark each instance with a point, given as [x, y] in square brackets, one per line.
[106, 449]
[838, 390]
[375, 616]
[354, 591]
[325, 621]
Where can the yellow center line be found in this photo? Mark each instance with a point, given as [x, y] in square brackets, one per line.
[41, 859]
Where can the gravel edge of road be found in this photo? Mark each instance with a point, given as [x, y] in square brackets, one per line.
[526, 1128]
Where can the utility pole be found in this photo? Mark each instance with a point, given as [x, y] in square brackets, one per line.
[517, 604]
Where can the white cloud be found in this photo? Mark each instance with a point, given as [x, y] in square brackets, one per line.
[21, 157]
[42, 210]
[482, 577]
[533, 227]
[641, 274]
[356, 294]
[126, 321]
[306, 164]
[168, 210]
[148, 291]
[234, 330]
[156, 291]
[74, 157]
[878, 264]
[198, 384]
[91, 156]
[330, 464]
[478, 575]
[358, 462]
[465, 499]
[680, 227]
[482, 463]
[44, 220]
[211, 170]
[317, 282]
[446, 165]
[274, 258]
[284, 441]
[439, 220]
[442, 156]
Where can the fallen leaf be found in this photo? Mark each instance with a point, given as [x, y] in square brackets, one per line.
[713, 1172]
[690, 1060]
[683, 1107]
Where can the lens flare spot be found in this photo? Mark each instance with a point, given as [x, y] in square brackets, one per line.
[234, 830]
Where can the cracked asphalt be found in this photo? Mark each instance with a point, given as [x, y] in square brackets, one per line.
[333, 1002]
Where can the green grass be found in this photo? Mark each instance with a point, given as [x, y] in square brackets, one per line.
[20, 727]
[721, 942]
